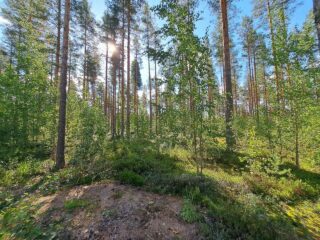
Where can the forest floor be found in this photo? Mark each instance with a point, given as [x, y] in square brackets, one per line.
[136, 191]
[114, 211]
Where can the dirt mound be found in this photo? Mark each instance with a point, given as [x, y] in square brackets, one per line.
[114, 211]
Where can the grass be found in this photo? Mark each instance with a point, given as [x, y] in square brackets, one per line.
[73, 204]
[129, 177]
[189, 212]
[227, 201]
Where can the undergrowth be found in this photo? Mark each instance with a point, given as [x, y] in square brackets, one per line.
[226, 201]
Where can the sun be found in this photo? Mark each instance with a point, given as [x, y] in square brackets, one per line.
[111, 48]
[103, 48]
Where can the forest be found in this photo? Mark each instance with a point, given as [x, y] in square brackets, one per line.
[141, 123]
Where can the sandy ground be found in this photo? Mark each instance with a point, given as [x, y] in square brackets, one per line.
[115, 211]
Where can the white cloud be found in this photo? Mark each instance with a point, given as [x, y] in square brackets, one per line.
[3, 21]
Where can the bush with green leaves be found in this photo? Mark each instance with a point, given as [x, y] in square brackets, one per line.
[129, 177]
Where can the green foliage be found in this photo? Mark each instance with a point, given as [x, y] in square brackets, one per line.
[281, 189]
[87, 131]
[189, 212]
[21, 173]
[73, 204]
[19, 222]
[130, 177]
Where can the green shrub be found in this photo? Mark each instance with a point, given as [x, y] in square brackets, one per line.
[189, 212]
[19, 222]
[280, 188]
[21, 173]
[130, 177]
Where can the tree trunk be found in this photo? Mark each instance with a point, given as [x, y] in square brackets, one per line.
[106, 82]
[114, 105]
[57, 68]
[136, 102]
[84, 84]
[227, 76]
[69, 70]
[150, 85]
[156, 91]
[122, 71]
[60, 160]
[128, 71]
[256, 85]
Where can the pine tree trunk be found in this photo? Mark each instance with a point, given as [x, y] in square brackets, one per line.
[84, 84]
[69, 70]
[122, 71]
[227, 76]
[106, 82]
[150, 88]
[114, 89]
[60, 159]
[256, 86]
[156, 90]
[57, 68]
[128, 71]
[136, 103]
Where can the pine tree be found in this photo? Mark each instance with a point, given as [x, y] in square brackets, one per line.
[60, 158]
[227, 75]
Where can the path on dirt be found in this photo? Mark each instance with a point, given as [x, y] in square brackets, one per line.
[114, 211]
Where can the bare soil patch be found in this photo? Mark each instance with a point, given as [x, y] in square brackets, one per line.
[114, 211]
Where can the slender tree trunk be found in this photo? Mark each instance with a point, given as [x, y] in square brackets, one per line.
[156, 90]
[136, 103]
[122, 70]
[60, 160]
[93, 87]
[256, 86]
[150, 86]
[69, 69]
[235, 92]
[250, 88]
[128, 71]
[84, 84]
[316, 12]
[227, 75]
[114, 98]
[119, 112]
[58, 48]
[106, 82]
[277, 74]
[274, 54]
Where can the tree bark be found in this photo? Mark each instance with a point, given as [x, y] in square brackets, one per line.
[122, 70]
[156, 92]
[128, 71]
[60, 158]
[84, 84]
[106, 82]
[150, 85]
[57, 67]
[227, 75]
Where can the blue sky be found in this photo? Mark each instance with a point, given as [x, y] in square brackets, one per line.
[244, 7]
